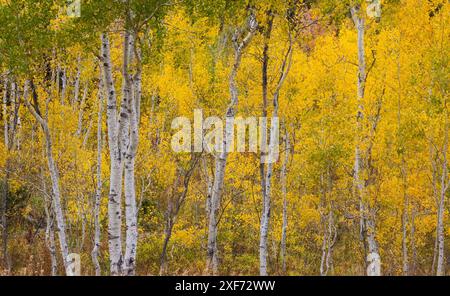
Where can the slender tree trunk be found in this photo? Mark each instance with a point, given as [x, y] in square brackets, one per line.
[50, 231]
[284, 192]
[174, 205]
[58, 79]
[212, 260]
[332, 235]
[405, 232]
[440, 271]
[54, 175]
[265, 217]
[131, 211]
[167, 236]
[51, 244]
[11, 142]
[367, 223]
[5, 193]
[329, 239]
[98, 192]
[123, 142]
[323, 269]
[270, 158]
[81, 113]
[403, 175]
[263, 153]
[82, 217]
[125, 105]
[170, 220]
[413, 241]
[434, 173]
[6, 257]
[441, 206]
[50, 239]
[130, 197]
[115, 182]
[212, 263]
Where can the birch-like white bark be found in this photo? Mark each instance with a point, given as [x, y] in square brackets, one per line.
[212, 263]
[264, 151]
[405, 224]
[403, 175]
[15, 122]
[98, 192]
[274, 133]
[328, 241]
[367, 224]
[81, 111]
[115, 181]
[125, 105]
[434, 173]
[50, 234]
[130, 183]
[54, 175]
[263, 130]
[441, 205]
[413, 242]
[123, 136]
[49, 230]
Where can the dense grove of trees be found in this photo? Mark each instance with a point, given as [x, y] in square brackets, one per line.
[359, 88]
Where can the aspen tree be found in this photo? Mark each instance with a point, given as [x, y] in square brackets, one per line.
[221, 159]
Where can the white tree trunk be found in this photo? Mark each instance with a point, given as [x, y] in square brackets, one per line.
[273, 146]
[441, 206]
[436, 196]
[212, 258]
[123, 135]
[367, 224]
[115, 181]
[81, 111]
[329, 239]
[50, 231]
[404, 178]
[221, 159]
[413, 242]
[54, 175]
[130, 183]
[405, 230]
[98, 192]
[264, 152]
